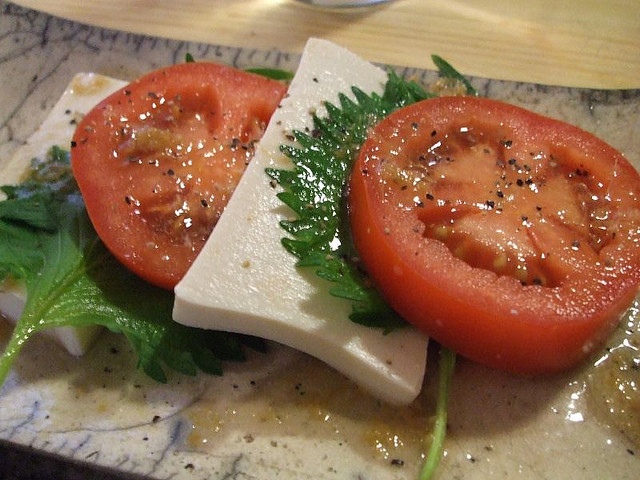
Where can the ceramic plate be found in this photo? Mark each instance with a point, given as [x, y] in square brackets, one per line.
[282, 414]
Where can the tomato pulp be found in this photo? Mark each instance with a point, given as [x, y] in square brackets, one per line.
[157, 161]
[512, 238]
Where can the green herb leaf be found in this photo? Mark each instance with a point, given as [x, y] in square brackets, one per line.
[272, 73]
[447, 71]
[314, 190]
[72, 280]
[29, 207]
[319, 236]
[34, 211]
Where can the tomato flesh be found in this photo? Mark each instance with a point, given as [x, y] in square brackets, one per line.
[511, 238]
[157, 161]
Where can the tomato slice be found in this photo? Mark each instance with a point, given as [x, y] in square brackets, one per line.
[512, 238]
[157, 161]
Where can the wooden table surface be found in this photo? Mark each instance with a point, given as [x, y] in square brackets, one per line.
[587, 43]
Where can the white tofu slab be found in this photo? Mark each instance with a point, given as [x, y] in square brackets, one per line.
[83, 93]
[245, 281]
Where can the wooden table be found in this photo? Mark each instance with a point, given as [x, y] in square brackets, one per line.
[588, 43]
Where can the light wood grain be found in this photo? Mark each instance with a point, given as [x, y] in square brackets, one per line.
[588, 43]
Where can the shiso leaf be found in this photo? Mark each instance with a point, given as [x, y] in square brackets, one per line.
[314, 189]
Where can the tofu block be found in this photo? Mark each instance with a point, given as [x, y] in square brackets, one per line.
[245, 281]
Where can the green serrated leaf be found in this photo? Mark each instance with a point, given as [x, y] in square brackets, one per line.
[35, 211]
[314, 189]
[272, 73]
[72, 280]
[19, 252]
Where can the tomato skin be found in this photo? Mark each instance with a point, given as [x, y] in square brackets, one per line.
[483, 314]
[157, 161]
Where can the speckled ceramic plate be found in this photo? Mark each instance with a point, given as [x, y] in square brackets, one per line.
[282, 414]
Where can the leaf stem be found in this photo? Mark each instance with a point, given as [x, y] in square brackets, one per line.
[445, 375]
[11, 351]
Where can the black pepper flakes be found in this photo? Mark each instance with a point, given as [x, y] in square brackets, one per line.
[396, 462]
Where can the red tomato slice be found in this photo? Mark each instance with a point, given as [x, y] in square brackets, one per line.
[512, 238]
[157, 161]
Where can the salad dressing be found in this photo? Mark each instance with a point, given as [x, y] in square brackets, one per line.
[613, 385]
[308, 400]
